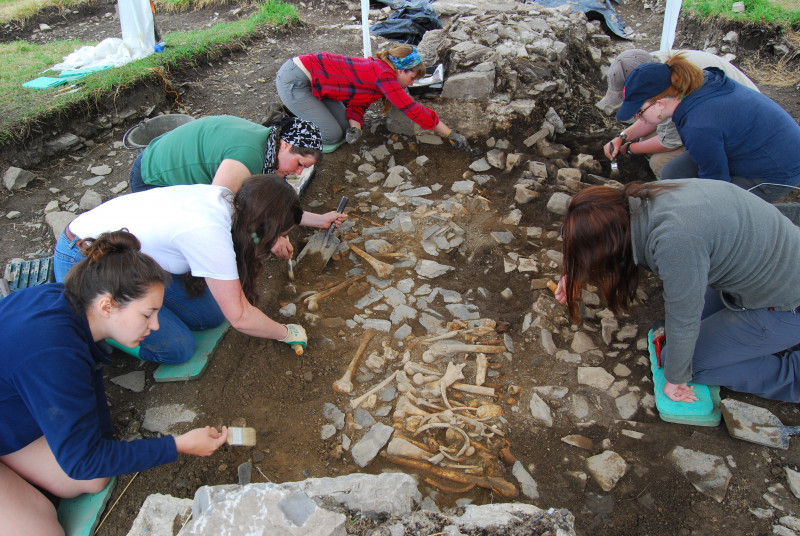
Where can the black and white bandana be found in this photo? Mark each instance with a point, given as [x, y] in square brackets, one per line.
[294, 131]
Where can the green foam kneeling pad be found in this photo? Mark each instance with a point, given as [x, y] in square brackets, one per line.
[207, 341]
[332, 147]
[80, 515]
[703, 412]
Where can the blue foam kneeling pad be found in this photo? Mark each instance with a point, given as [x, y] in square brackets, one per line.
[703, 412]
[80, 515]
[207, 341]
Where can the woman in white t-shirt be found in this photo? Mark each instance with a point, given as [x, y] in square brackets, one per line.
[211, 240]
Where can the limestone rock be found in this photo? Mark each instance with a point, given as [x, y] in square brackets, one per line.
[606, 468]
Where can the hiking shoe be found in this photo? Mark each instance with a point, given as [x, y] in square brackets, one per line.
[276, 113]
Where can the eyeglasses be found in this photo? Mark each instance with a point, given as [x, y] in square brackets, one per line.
[640, 113]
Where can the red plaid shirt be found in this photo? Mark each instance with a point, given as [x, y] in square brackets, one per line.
[358, 82]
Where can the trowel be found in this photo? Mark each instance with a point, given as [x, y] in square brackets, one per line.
[756, 424]
[321, 246]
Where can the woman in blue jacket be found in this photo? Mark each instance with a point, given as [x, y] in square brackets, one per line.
[57, 432]
[730, 132]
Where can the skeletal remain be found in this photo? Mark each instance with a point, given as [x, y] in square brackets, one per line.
[357, 401]
[344, 384]
[448, 426]
[415, 368]
[370, 402]
[312, 302]
[421, 379]
[440, 349]
[489, 411]
[482, 364]
[451, 375]
[407, 406]
[474, 389]
[501, 487]
[400, 447]
[381, 268]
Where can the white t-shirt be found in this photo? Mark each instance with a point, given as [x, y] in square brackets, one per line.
[184, 228]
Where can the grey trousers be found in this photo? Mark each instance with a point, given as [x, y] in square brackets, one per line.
[294, 89]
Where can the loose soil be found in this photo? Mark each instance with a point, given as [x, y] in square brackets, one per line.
[264, 385]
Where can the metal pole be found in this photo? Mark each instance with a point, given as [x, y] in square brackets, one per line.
[365, 28]
[671, 13]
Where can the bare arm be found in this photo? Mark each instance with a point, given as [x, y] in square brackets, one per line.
[240, 313]
[201, 441]
[230, 174]
[635, 131]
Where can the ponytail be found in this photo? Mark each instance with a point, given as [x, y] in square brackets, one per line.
[114, 266]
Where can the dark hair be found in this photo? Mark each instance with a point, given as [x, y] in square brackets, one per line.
[114, 266]
[316, 154]
[597, 244]
[268, 206]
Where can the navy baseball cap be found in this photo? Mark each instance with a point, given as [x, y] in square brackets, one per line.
[645, 82]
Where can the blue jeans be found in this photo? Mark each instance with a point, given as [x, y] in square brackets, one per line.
[684, 167]
[136, 182]
[747, 351]
[294, 89]
[173, 342]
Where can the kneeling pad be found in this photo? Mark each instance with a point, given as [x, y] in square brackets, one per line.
[703, 412]
[207, 341]
[80, 515]
[329, 148]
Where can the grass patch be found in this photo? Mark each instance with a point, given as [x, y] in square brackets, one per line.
[22, 10]
[771, 11]
[20, 62]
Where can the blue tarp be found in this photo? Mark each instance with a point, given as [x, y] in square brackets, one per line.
[594, 10]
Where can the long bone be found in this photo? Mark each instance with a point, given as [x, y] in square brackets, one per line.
[381, 268]
[344, 384]
[357, 401]
[312, 302]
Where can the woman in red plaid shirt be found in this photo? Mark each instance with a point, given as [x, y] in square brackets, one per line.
[334, 91]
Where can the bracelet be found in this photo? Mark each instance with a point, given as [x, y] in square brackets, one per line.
[623, 136]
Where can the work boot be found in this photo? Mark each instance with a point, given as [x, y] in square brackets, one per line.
[276, 113]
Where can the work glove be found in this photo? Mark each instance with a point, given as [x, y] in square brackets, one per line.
[297, 335]
[352, 135]
[458, 141]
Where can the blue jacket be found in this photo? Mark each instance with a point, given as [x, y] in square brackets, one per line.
[51, 384]
[730, 130]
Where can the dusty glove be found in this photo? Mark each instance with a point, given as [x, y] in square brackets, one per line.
[458, 141]
[296, 335]
[352, 135]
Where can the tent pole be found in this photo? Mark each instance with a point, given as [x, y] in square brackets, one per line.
[365, 28]
[671, 14]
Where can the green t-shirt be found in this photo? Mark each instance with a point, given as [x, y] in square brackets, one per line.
[192, 153]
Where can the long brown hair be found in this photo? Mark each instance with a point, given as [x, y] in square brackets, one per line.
[267, 206]
[597, 244]
[399, 51]
[114, 266]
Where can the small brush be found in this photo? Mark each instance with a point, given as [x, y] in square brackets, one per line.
[291, 270]
[241, 437]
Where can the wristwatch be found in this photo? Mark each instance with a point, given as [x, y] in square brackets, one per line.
[623, 136]
[627, 148]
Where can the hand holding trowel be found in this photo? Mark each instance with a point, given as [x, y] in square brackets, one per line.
[321, 246]
[460, 142]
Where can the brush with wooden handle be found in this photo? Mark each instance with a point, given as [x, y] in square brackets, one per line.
[241, 437]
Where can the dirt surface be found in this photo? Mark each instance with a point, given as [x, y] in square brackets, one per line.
[264, 385]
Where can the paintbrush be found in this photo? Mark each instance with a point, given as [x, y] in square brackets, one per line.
[241, 437]
[291, 270]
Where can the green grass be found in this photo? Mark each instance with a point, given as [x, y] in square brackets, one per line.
[22, 10]
[21, 62]
[759, 11]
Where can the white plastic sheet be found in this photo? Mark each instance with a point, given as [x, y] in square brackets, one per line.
[138, 40]
[671, 13]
